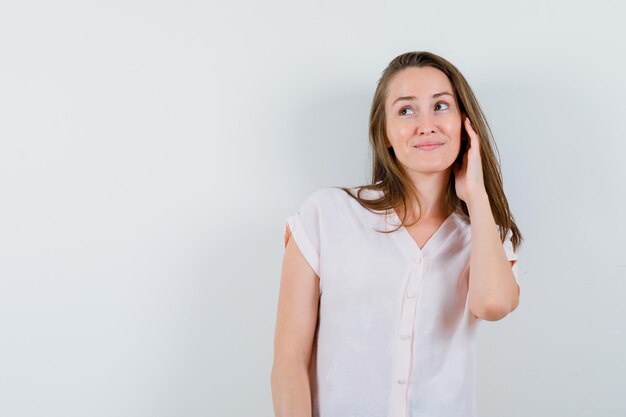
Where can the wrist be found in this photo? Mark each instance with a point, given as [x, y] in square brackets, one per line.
[480, 199]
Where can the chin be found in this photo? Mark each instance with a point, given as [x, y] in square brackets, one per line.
[431, 167]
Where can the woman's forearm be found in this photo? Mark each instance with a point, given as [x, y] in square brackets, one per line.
[291, 390]
[493, 290]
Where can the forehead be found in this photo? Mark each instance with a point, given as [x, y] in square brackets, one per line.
[418, 82]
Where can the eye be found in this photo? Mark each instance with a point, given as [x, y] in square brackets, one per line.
[402, 110]
[442, 102]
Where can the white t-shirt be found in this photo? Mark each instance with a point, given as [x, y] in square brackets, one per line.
[395, 336]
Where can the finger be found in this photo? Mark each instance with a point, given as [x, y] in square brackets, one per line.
[470, 130]
[468, 124]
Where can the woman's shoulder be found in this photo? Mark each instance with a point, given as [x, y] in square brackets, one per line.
[321, 197]
[338, 200]
[331, 195]
[321, 200]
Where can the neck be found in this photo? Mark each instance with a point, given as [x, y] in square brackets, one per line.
[431, 189]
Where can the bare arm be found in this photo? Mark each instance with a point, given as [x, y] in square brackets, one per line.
[493, 291]
[296, 321]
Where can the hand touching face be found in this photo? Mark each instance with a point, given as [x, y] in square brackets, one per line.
[468, 178]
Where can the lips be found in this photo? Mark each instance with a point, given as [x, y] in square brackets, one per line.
[429, 143]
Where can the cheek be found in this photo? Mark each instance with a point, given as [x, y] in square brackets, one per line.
[398, 131]
[455, 135]
[456, 146]
[456, 150]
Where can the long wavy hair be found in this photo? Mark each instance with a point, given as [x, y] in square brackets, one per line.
[389, 177]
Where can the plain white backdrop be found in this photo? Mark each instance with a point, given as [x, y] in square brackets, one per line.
[151, 151]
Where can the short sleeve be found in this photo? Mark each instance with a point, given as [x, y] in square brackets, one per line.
[304, 227]
[511, 255]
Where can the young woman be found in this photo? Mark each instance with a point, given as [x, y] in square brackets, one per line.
[383, 285]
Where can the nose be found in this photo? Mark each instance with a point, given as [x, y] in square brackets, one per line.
[425, 125]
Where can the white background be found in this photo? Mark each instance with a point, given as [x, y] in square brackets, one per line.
[151, 151]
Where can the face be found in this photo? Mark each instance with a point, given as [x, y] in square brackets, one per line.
[416, 113]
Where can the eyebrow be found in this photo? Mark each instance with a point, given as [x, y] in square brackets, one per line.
[443, 93]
